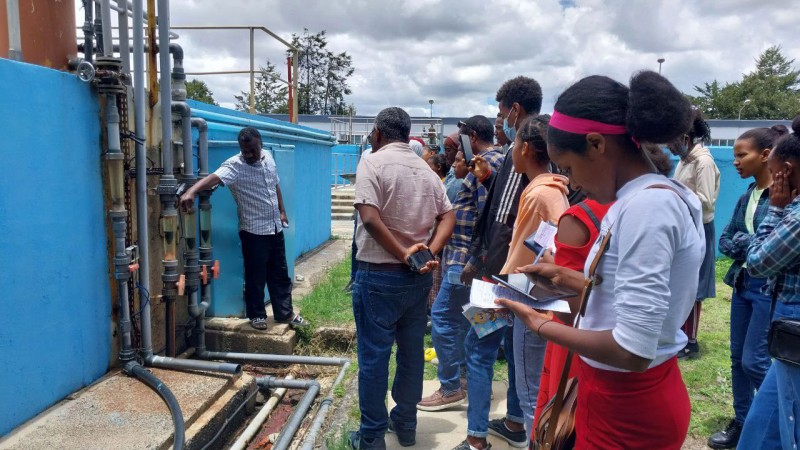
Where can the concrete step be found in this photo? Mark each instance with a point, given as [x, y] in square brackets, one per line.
[236, 335]
[342, 202]
[342, 210]
[122, 412]
[347, 217]
[343, 198]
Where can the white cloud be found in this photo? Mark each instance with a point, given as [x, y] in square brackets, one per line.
[458, 53]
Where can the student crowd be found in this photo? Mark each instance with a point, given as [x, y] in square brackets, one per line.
[637, 246]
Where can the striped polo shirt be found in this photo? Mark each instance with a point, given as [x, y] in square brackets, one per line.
[255, 191]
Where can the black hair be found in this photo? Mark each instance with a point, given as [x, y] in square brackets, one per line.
[247, 134]
[523, 90]
[699, 131]
[394, 124]
[652, 109]
[659, 158]
[481, 126]
[533, 130]
[788, 146]
[441, 161]
[764, 137]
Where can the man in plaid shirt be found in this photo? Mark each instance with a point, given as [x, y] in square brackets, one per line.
[449, 325]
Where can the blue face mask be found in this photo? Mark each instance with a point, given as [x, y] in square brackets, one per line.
[509, 131]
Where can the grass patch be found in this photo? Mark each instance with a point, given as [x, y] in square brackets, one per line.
[708, 379]
[328, 304]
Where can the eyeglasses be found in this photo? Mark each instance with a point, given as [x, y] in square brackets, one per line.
[369, 136]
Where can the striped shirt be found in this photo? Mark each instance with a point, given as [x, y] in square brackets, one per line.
[255, 191]
[468, 206]
[775, 251]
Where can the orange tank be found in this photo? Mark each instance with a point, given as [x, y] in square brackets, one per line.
[48, 32]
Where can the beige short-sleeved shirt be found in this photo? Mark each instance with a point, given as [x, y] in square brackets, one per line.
[406, 192]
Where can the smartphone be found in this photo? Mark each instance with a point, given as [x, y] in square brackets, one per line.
[418, 260]
[466, 147]
[534, 287]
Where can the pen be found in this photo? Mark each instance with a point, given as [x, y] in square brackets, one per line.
[528, 286]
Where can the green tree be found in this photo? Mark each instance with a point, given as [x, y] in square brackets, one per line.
[198, 90]
[323, 75]
[271, 96]
[773, 89]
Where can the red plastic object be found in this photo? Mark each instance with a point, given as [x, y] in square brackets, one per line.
[215, 269]
[181, 284]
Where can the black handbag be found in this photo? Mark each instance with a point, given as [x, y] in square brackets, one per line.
[784, 335]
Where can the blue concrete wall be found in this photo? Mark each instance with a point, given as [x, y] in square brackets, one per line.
[54, 302]
[344, 159]
[305, 183]
[732, 186]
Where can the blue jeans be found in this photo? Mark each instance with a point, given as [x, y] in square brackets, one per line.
[749, 355]
[389, 307]
[529, 357]
[481, 355]
[772, 422]
[449, 329]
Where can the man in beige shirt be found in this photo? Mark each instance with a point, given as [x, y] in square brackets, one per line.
[402, 209]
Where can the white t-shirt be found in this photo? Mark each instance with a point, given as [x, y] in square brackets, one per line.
[649, 272]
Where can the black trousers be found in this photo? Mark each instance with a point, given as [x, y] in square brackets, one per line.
[265, 263]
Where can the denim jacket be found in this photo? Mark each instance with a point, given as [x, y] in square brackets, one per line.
[735, 238]
[775, 250]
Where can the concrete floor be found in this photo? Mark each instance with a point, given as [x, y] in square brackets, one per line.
[122, 412]
[446, 429]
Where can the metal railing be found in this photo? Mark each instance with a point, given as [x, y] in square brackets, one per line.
[343, 164]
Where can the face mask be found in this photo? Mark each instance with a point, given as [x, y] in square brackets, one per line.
[682, 149]
[509, 131]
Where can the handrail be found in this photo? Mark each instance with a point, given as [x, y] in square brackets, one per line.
[294, 69]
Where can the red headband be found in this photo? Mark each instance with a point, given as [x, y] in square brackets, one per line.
[583, 126]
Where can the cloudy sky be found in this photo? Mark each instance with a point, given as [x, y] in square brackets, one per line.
[459, 52]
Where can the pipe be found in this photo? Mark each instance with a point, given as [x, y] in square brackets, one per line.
[268, 134]
[98, 27]
[88, 32]
[141, 175]
[105, 10]
[202, 146]
[168, 184]
[129, 8]
[290, 428]
[124, 47]
[193, 364]
[255, 425]
[268, 358]
[14, 35]
[169, 398]
[214, 143]
[240, 121]
[322, 413]
[182, 108]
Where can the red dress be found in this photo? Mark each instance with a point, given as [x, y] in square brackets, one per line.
[572, 258]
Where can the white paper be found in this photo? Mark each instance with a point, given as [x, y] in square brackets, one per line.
[483, 295]
[546, 235]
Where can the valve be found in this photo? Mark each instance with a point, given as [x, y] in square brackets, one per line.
[181, 284]
[206, 271]
[85, 71]
[204, 274]
[215, 269]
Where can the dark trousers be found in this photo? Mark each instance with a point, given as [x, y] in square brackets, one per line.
[389, 307]
[265, 263]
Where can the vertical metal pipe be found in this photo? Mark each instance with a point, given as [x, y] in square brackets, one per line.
[14, 35]
[252, 71]
[88, 32]
[98, 28]
[141, 174]
[295, 71]
[124, 46]
[108, 40]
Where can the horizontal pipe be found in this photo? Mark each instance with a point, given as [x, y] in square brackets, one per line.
[213, 143]
[269, 134]
[270, 382]
[255, 425]
[193, 364]
[311, 435]
[169, 398]
[267, 358]
[222, 118]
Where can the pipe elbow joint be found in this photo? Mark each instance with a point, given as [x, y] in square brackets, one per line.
[182, 108]
[177, 52]
[200, 124]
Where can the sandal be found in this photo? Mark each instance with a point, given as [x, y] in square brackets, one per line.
[259, 323]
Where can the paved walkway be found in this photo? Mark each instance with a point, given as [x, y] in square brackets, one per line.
[446, 429]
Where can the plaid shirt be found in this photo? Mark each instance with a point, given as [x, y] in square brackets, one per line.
[255, 191]
[775, 250]
[735, 238]
[468, 206]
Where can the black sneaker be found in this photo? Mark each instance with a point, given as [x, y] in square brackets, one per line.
[357, 442]
[691, 351]
[465, 446]
[727, 438]
[406, 438]
[516, 439]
